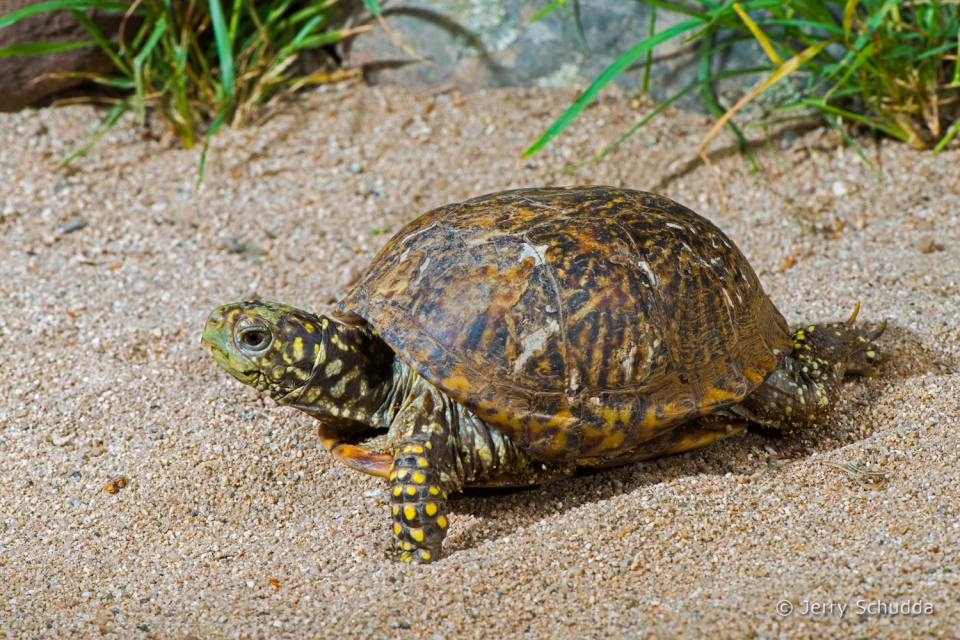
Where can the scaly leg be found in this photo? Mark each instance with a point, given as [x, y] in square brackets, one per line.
[424, 471]
[802, 391]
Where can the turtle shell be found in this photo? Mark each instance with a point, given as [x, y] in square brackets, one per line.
[579, 322]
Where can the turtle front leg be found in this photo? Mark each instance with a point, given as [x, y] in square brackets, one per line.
[424, 471]
[802, 391]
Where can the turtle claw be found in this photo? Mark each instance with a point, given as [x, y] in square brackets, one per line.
[876, 333]
[853, 316]
[417, 556]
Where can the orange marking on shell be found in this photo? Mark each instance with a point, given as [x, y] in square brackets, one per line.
[612, 442]
[460, 383]
[714, 396]
[611, 416]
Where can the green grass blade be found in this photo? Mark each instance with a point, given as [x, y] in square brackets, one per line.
[109, 81]
[648, 63]
[853, 143]
[59, 5]
[37, 48]
[607, 76]
[710, 98]
[577, 31]
[111, 119]
[546, 10]
[824, 108]
[321, 39]
[660, 107]
[224, 50]
[373, 6]
[234, 21]
[105, 43]
[951, 133]
[158, 30]
[214, 127]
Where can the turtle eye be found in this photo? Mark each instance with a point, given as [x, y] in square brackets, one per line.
[254, 339]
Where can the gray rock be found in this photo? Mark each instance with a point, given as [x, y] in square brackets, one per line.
[17, 74]
[478, 44]
[71, 225]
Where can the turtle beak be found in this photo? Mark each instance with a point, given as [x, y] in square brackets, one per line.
[216, 332]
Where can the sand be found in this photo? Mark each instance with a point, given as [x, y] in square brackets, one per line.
[235, 523]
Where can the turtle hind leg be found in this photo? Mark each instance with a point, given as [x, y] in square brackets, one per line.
[841, 345]
[688, 436]
[802, 391]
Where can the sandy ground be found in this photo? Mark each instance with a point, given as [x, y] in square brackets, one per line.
[234, 522]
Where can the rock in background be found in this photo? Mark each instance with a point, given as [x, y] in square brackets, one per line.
[20, 83]
[491, 43]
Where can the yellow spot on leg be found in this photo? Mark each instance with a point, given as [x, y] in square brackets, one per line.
[442, 522]
[409, 512]
[422, 462]
[411, 491]
[419, 478]
[418, 449]
[425, 555]
[397, 491]
[434, 491]
[417, 534]
[397, 528]
[430, 509]
[396, 509]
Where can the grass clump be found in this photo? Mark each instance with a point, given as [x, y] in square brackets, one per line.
[888, 65]
[197, 64]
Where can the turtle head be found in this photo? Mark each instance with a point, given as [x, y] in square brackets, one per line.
[269, 346]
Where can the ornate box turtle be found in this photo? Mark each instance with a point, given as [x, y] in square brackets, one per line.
[512, 338]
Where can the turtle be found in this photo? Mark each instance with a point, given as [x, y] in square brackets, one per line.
[516, 337]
